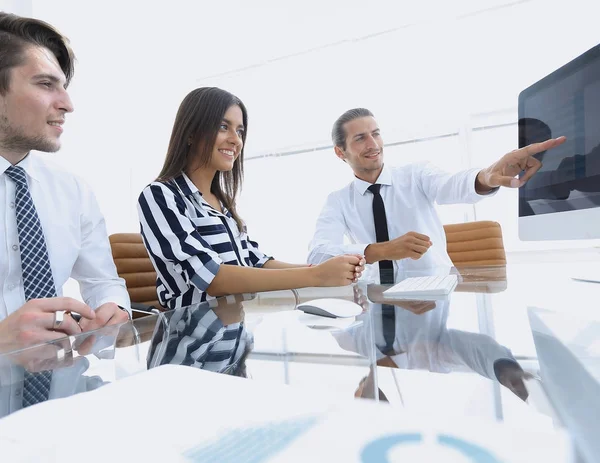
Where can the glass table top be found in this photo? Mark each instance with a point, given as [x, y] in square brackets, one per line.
[483, 351]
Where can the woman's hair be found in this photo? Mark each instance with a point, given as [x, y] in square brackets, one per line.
[18, 33]
[194, 134]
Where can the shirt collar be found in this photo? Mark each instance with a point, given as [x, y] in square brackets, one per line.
[385, 178]
[28, 164]
[189, 189]
[186, 185]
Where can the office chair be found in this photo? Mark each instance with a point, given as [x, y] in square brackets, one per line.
[134, 266]
[477, 251]
[475, 244]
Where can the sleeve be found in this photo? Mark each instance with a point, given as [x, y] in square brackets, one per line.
[257, 258]
[171, 238]
[328, 240]
[477, 351]
[444, 188]
[359, 337]
[94, 268]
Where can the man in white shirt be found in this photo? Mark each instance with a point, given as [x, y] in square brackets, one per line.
[416, 236]
[52, 227]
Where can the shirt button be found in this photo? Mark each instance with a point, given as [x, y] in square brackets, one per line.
[12, 205]
[11, 287]
[15, 247]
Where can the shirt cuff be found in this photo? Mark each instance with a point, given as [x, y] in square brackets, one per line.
[263, 261]
[205, 273]
[123, 302]
[499, 363]
[473, 181]
[355, 248]
[125, 310]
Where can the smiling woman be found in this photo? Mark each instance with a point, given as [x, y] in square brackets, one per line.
[195, 237]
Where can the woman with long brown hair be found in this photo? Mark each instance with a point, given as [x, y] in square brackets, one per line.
[189, 221]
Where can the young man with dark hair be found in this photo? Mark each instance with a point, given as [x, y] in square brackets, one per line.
[52, 226]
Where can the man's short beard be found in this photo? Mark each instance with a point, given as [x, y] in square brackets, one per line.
[15, 141]
[19, 143]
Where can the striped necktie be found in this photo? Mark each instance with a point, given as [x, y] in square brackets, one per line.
[37, 274]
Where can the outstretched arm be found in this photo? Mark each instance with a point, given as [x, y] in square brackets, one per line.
[504, 171]
[234, 279]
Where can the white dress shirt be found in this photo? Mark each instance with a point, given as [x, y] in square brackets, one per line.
[424, 342]
[409, 194]
[75, 235]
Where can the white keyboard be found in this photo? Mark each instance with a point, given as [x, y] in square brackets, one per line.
[434, 285]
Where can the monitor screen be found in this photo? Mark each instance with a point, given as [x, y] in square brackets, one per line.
[566, 102]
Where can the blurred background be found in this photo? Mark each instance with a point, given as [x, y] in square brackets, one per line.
[442, 79]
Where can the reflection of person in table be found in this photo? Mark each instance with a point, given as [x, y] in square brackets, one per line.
[421, 340]
[58, 357]
[578, 172]
[211, 335]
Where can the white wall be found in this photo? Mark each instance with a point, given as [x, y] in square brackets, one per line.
[425, 69]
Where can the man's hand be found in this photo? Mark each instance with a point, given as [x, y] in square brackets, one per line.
[504, 171]
[410, 246]
[33, 323]
[50, 356]
[107, 314]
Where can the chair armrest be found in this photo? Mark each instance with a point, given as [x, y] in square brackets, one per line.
[140, 309]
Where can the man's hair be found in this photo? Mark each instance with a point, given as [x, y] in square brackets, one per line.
[18, 33]
[338, 133]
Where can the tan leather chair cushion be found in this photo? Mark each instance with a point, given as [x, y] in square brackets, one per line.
[475, 243]
[134, 265]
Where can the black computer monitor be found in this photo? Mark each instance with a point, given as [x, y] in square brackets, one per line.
[562, 201]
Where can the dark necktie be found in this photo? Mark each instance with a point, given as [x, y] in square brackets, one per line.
[386, 267]
[386, 270]
[37, 275]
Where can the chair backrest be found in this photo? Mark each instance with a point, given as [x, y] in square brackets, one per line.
[135, 267]
[475, 243]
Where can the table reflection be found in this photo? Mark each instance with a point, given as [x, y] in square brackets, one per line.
[413, 334]
[211, 335]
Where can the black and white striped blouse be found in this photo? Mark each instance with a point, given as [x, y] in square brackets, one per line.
[195, 336]
[187, 240]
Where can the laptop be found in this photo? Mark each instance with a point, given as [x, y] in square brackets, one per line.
[569, 357]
